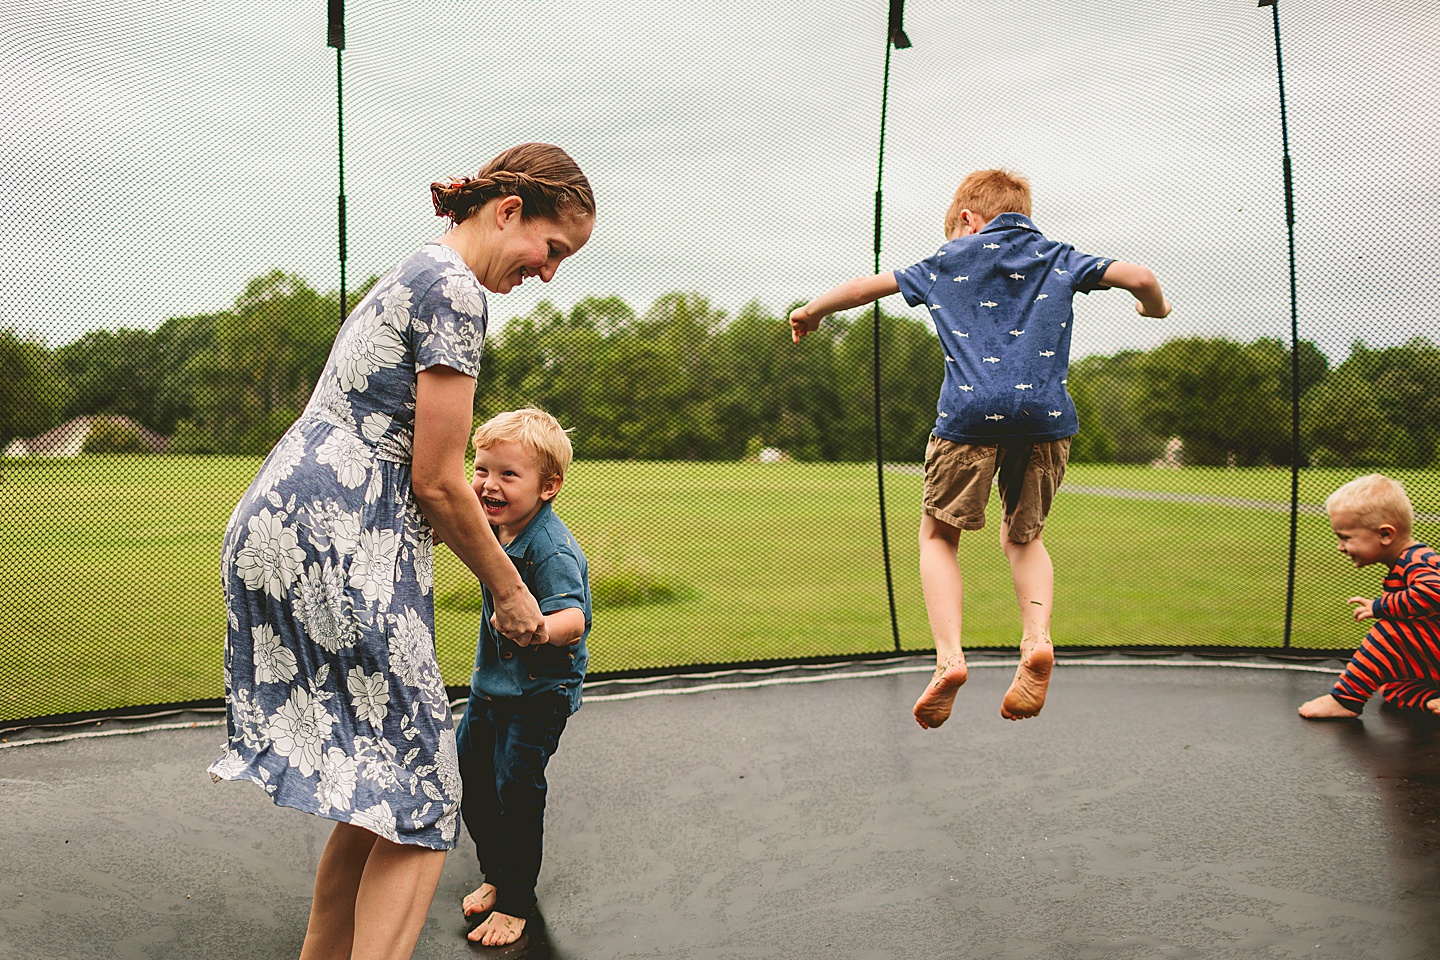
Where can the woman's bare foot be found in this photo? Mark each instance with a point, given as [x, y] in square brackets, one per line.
[479, 900]
[1326, 708]
[497, 930]
[933, 707]
[1026, 695]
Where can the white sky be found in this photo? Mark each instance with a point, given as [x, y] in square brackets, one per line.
[158, 154]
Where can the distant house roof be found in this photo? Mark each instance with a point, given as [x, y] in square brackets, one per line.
[68, 439]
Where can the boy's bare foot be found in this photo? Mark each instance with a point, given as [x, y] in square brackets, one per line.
[933, 707]
[479, 900]
[497, 930]
[1026, 695]
[1326, 708]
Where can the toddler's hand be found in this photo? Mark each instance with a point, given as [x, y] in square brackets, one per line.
[1364, 609]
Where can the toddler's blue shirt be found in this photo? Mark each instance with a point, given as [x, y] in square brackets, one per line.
[554, 569]
[1001, 303]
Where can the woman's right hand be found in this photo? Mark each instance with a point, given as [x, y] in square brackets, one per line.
[517, 617]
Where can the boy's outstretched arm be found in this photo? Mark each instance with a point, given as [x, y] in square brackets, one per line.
[1142, 285]
[851, 293]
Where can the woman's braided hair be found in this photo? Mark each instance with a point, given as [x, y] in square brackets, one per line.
[547, 181]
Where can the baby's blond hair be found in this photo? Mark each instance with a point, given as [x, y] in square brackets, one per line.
[536, 431]
[1372, 500]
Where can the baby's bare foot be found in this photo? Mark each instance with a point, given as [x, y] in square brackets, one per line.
[1026, 695]
[497, 930]
[1326, 708]
[933, 707]
[479, 900]
[1433, 705]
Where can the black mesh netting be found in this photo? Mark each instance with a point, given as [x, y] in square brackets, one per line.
[169, 289]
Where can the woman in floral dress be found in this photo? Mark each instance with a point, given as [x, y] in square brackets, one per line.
[335, 703]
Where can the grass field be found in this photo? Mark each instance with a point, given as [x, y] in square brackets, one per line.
[111, 586]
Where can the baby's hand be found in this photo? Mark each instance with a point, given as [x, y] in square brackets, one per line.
[1364, 608]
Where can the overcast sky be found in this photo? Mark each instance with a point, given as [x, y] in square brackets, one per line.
[158, 154]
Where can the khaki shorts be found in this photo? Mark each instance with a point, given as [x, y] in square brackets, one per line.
[958, 478]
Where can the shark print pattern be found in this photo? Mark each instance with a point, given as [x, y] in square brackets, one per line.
[1000, 303]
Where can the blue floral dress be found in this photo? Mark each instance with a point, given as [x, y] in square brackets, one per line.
[334, 699]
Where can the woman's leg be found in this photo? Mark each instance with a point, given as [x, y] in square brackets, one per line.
[337, 881]
[387, 886]
[394, 899]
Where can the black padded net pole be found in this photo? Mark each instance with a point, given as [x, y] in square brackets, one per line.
[895, 37]
[335, 37]
[1294, 329]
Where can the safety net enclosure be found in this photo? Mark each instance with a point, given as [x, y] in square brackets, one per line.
[171, 278]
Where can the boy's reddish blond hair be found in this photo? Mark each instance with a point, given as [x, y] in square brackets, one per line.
[989, 193]
[536, 431]
[1372, 500]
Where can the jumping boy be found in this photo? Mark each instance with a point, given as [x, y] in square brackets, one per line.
[520, 696]
[1400, 656]
[999, 294]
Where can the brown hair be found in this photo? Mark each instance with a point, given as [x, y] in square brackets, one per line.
[989, 193]
[536, 431]
[547, 181]
[1372, 500]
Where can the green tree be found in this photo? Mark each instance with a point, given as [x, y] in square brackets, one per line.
[1343, 423]
[32, 390]
[267, 354]
[115, 435]
[1106, 393]
[1094, 443]
[1401, 382]
[1221, 398]
[911, 369]
[111, 372]
[773, 393]
[655, 382]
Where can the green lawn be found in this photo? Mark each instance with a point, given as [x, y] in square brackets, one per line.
[112, 586]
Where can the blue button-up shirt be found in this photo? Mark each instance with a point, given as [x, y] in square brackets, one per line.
[554, 569]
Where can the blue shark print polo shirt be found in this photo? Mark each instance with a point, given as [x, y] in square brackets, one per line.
[1001, 303]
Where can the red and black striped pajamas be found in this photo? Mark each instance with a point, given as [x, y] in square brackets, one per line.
[1400, 656]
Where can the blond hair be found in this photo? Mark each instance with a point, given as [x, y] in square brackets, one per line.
[536, 431]
[989, 193]
[1372, 500]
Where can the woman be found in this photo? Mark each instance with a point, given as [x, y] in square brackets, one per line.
[334, 699]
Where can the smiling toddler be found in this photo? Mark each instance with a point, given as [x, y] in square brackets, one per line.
[521, 695]
[1400, 656]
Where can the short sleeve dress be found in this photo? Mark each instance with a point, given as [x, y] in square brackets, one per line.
[334, 700]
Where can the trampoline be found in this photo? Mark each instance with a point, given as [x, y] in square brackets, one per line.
[1158, 808]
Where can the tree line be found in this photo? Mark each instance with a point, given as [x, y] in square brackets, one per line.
[683, 380]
